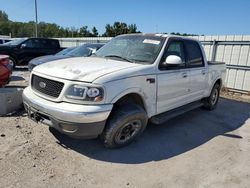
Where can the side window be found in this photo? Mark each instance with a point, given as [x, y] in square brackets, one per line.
[43, 43]
[50, 44]
[174, 48]
[194, 54]
[32, 43]
[54, 44]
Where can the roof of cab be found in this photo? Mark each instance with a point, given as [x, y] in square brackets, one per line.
[161, 35]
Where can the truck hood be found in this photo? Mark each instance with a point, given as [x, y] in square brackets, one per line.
[85, 69]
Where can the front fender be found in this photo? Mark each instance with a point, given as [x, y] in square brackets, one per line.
[128, 91]
[149, 110]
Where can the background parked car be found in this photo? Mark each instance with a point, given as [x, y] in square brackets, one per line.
[2, 41]
[5, 70]
[81, 51]
[64, 51]
[21, 51]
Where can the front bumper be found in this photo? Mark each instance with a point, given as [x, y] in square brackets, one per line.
[85, 121]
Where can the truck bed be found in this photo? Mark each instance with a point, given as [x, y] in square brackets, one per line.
[215, 62]
[217, 69]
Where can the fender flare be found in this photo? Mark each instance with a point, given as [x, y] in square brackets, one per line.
[134, 90]
[212, 85]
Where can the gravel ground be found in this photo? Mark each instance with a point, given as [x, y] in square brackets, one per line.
[196, 149]
[20, 77]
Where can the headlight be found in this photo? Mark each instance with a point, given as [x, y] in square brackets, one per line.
[85, 93]
[93, 92]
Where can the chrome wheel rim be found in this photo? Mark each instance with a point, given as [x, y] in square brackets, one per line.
[128, 131]
[214, 97]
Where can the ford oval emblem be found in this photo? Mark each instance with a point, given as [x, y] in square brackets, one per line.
[42, 84]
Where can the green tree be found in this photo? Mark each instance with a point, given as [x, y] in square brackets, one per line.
[94, 32]
[3, 16]
[84, 32]
[119, 28]
[109, 31]
[132, 28]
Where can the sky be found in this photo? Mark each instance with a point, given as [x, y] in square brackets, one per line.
[208, 17]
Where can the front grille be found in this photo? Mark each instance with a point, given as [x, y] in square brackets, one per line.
[48, 87]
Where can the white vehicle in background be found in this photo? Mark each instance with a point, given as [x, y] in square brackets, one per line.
[132, 79]
[4, 40]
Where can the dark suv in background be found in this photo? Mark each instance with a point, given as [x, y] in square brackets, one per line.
[21, 51]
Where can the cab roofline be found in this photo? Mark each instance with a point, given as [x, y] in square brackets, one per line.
[159, 35]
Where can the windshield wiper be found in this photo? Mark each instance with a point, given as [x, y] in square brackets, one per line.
[120, 57]
[140, 61]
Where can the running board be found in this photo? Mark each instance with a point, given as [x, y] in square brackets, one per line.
[161, 118]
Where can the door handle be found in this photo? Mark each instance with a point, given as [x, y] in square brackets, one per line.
[184, 75]
[203, 72]
[150, 80]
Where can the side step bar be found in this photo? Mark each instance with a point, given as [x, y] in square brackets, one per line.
[161, 118]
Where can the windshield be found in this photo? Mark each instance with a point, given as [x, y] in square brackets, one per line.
[15, 42]
[133, 48]
[81, 51]
[65, 51]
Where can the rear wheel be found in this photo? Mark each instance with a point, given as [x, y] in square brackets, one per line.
[125, 125]
[210, 103]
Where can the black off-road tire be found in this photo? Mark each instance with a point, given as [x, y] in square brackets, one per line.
[211, 102]
[119, 123]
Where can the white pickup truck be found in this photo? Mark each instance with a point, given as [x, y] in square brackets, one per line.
[132, 79]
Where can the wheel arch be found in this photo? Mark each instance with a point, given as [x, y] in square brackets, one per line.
[14, 58]
[134, 95]
[216, 81]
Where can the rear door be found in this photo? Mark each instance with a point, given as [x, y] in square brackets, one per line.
[197, 70]
[172, 81]
[49, 46]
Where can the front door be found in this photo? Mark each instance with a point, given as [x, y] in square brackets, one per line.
[29, 50]
[173, 81]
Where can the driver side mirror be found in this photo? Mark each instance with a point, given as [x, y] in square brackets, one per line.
[92, 50]
[173, 60]
[23, 46]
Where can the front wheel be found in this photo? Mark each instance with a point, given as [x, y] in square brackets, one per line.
[12, 62]
[210, 103]
[125, 124]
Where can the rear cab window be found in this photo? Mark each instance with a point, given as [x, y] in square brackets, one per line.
[53, 44]
[49, 44]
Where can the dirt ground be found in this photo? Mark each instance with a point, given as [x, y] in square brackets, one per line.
[196, 149]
